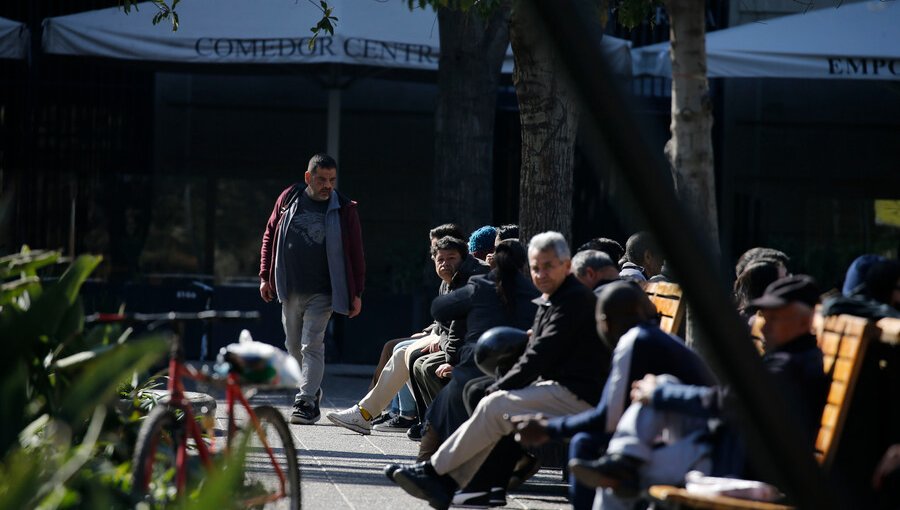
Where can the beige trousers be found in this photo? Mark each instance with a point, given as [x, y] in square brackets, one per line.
[393, 377]
[467, 448]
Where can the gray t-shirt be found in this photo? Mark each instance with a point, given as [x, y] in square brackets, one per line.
[305, 258]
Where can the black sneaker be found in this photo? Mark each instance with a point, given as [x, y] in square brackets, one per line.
[498, 496]
[397, 424]
[467, 498]
[390, 469]
[307, 413]
[614, 471]
[386, 416]
[421, 481]
[415, 432]
[527, 466]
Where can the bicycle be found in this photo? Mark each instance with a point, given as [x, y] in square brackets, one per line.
[167, 446]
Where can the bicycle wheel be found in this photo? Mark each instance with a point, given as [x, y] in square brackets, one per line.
[260, 475]
[154, 466]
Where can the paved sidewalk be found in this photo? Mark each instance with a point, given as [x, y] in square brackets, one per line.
[342, 469]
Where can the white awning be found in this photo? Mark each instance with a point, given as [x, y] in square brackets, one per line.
[851, 41]
[13, 39]
[368, 33]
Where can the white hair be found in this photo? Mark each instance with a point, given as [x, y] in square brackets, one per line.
[550, 241]
[593, 259]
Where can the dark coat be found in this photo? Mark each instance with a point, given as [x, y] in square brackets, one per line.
[479, 306]
[564, 345]
[644, 349]
[799, 375]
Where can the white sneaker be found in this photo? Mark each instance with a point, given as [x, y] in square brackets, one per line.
[351, 419]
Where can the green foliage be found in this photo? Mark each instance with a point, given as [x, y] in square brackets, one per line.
[326, 24]
[632, 13]
[165, 12]
[61, 444]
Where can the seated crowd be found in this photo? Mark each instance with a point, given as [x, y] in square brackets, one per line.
[636, 404]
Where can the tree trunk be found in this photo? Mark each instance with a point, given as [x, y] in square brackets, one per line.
[472, 51]
[547, 110]
[690, 148]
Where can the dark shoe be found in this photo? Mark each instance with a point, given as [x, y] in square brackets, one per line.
[396, 424]
[415, 432]
[480, 499]
[390, 469]
[386, 416]
[498, 496]
[527, 466]
[421, 481]
[307, 413]
[617, 472]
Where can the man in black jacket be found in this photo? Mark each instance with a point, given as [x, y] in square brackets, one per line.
[561, 372]
[634, 459]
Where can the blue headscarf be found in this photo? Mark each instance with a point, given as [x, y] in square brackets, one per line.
[482, 240]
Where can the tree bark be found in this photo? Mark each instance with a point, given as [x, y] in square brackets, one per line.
[690, 149]
[549, 118]
[472, 51]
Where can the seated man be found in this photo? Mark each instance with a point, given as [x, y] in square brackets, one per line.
[594, 269]
[454, 265]
[626, 319]
[560, 373]
[608, 246]
[644, 260]
[662, 404]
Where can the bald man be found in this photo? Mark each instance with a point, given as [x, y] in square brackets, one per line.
[626, 320]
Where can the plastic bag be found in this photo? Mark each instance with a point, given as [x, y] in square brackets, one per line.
[258, 363]
[700, 484]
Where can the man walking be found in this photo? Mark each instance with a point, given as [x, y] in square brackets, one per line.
[312, 261]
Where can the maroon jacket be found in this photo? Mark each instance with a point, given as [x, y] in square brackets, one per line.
[351, 234]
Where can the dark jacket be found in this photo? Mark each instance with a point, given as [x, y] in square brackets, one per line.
[564, 345]
[451, 331]
[799, 375]
[477, 307]
[644, 349]
[351, 239]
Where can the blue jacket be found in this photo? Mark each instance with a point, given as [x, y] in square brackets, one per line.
[644, 349]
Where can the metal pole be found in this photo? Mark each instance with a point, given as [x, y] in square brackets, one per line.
[334, 123]
[773, 437]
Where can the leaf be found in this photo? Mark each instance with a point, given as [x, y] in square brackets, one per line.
[98, 377]
[42, 319]
[11, 291]
[218, 490]
[13, 402]
[26, 262]
[20, 479]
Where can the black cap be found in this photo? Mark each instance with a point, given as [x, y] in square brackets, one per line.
[798, 288]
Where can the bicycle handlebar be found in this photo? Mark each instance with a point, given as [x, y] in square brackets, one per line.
[205, 315]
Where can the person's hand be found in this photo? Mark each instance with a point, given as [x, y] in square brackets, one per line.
[642, 390]
[531, 429]
[444, 370]
[266, 291]
[889, 462]
[432, 347]
[355, 307]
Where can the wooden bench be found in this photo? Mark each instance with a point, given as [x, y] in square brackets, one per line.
[844, 340]
[667, 299]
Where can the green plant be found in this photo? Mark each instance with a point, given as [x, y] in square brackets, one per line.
[64, 440]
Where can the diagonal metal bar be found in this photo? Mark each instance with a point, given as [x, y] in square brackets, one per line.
[773, 436]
